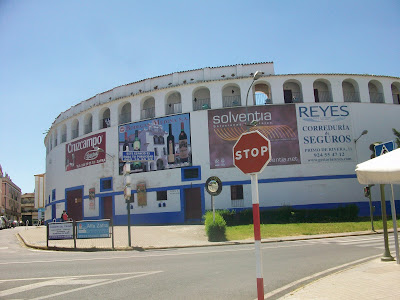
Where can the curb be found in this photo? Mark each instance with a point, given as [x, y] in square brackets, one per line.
[227, 243]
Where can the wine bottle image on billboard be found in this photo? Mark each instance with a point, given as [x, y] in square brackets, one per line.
[171, 146]
[183, 145]
[136, 147]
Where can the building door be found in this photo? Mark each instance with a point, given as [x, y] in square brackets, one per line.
[193, 204]
[107, 207]
[74, 204]
[316, 96]
[288, 96]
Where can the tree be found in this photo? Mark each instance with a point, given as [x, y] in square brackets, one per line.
[397, 134]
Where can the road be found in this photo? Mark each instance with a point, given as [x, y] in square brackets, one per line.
[224, 272]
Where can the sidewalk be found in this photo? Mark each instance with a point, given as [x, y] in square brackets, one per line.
[373, 279]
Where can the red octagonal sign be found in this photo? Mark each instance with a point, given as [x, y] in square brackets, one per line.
[252, 152]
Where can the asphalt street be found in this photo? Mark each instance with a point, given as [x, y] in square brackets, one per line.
[224, 272]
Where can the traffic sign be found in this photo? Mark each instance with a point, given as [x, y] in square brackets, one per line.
[384, 148]
[130, 156]
[252, 152]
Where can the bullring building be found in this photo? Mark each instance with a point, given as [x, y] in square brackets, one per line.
[189, 121]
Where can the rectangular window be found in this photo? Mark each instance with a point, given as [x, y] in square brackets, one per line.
[191, 173]
[161, 195]
[106, 184]
[53, 195]
[237, 196]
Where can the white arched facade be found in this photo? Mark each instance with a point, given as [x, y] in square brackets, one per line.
[190, 120]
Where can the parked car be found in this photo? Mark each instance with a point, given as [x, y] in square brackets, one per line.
[15, 223]
[2, 224]
[4, 218]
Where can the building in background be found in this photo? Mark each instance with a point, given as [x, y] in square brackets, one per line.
[190, 121]
[28, 211]
[40, 185]
[10, 201]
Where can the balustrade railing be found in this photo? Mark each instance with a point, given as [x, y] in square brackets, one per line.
[231, 101]
[173, 108]
[148, 113]
[351, 97]
[199, 104]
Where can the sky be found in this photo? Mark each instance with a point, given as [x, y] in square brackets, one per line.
[55, 54]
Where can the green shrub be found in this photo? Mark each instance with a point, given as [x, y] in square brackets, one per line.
[287, 214]
[215, 230]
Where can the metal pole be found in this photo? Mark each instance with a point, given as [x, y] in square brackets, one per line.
[386, 254]
[371, 212]
[112, 230]
[394, 219]
[213, 208]
[257, 235]
[129, 224]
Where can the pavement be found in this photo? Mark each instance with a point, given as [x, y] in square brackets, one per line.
[367, 279]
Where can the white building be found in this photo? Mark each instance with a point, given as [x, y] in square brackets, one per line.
[312, 121]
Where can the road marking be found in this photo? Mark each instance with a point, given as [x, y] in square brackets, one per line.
[71, 280]
[3, 248]
[98, 284]
[294, 283]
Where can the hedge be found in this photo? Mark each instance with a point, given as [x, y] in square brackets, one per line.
[287, 214]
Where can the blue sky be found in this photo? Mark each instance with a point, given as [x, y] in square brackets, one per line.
[55, 54]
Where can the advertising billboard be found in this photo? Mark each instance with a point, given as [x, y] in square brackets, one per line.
[167, 137]
[325, 133]
[83, 152]
[276, 122]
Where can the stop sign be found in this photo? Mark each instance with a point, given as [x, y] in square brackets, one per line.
[252, 152]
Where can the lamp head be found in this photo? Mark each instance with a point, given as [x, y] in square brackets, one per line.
[257, 75]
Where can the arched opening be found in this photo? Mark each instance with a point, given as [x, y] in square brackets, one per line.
[292, 91]
[201, 99]
[63, 133]
[262, 94]
[322, 91]
[173, 104]
[75, 129]
[88, 123]
[125, 114]
[105, 120]
[375, 90]
[231, 96]
[350, 91]
[148, 109]
[396, 92]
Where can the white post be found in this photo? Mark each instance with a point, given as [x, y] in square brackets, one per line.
[394, 218]
[257, 235]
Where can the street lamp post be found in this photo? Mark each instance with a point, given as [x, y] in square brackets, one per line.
[256, 76]
[371, 210]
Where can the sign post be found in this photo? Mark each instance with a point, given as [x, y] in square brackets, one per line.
[214, 188]
[381, 149]
[251, 154]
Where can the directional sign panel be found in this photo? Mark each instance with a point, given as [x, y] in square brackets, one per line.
[128, 156]
[384, 148]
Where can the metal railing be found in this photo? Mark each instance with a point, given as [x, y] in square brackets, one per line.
[105, 123]
[262, 99]
[199, 104]
[376, 97]
[75, 133]
[173, 108]
[323, 96]
[88, 128]
[124, 118]
[351, 97]
[231, 101]
[148, 113]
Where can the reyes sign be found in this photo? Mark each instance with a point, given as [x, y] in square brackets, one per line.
[252, 152]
